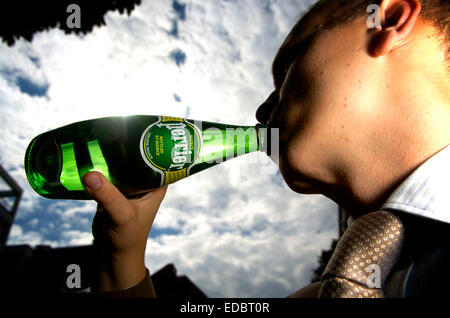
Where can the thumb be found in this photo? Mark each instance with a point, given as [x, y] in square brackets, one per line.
[107, 195]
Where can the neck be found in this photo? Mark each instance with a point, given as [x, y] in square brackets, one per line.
[408, 123]
[405, 142]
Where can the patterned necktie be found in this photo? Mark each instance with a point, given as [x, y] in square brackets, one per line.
[364, 257]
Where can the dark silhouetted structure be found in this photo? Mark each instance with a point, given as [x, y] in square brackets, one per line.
[342, 222]
[10, 195]
[45, 271]
[168, 285]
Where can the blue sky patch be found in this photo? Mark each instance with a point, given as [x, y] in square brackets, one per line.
[177, 98]
[178, 56]
[31, 88]
[35, 60]
[174, 31]
[25, 84]
[180, 10]
[187, 112]
[52, 221]
[158, 231]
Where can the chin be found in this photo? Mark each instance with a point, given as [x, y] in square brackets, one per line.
[299, 185]
[304, 189]
[295, 179]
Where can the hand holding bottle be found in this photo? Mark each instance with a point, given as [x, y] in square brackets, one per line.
[121, 227]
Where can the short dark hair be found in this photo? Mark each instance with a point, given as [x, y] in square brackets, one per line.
[436, 12]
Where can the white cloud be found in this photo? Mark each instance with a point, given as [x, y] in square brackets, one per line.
[77, 238]
[33, 238]
[235, 231]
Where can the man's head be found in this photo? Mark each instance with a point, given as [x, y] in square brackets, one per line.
[359, 107]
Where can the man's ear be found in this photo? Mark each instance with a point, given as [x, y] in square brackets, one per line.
[398, 18]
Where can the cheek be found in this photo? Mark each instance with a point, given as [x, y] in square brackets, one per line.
[298, 154]
[338, 100]
[311, 140]
[303, 120]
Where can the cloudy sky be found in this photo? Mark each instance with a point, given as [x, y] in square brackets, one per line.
[234, 230]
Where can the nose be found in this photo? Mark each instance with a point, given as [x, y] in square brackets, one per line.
[264, 111]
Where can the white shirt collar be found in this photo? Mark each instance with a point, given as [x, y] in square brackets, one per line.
[426, 192]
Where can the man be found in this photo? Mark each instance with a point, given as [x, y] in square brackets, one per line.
[364, 119]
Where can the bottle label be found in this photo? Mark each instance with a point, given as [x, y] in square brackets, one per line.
[171, 146]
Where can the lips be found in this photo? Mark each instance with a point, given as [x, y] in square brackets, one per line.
[264, 111]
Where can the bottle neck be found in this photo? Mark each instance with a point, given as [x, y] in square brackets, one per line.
[226, 142]
[262, 133]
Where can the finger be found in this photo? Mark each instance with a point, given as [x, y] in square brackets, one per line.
[108, 196]
[99, 225]
[152, 200]
[98, 219]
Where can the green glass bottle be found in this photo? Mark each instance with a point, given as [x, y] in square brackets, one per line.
[135, 153]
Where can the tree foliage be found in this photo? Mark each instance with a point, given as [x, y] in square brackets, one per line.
[22, 19]
[323, 260]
